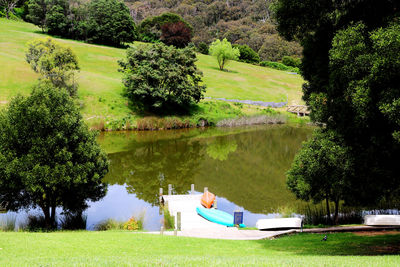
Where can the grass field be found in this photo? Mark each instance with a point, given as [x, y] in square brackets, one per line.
[115, 248]
[100, 87]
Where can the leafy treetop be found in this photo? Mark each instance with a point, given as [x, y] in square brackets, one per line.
[223, 52]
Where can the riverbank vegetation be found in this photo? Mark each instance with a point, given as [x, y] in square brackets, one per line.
[115, 248]
[100, 95]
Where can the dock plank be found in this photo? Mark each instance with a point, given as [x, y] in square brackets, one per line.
[186, 204]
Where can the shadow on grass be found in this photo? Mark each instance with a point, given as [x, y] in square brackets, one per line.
[224, 70]
[337, 244]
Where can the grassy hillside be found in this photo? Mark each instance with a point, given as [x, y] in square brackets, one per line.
[85, 248]
[100, 86]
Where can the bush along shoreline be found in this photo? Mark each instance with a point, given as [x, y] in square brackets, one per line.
[155, 123]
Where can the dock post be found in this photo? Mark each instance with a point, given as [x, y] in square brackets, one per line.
[161, 201]
[169, 189]
[205, 189]
[179, 221]
[192, 189]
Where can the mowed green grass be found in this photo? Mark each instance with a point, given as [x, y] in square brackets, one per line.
[100, 86]
[85, 248]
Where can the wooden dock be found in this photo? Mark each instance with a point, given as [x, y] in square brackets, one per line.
[300, 110]
[186, 206]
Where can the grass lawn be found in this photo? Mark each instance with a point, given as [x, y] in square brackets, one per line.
[114, 248]
[100, 87]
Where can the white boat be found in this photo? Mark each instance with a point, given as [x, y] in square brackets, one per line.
[382, 220]
[278, 223]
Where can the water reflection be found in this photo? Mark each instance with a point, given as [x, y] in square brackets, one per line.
[244, 167]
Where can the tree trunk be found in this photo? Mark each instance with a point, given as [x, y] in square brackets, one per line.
[328, 212]
[53, 216]
[336, 218]
[47, 219]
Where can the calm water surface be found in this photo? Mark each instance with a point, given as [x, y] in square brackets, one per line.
[244, 167]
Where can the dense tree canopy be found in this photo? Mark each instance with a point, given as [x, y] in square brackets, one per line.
[244, 22]
[110, 23]
[223, 52]
[53, 62]
[98, 21]
[162, 78]
[351, 66]
[48, 156]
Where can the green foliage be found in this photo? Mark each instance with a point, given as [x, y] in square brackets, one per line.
[37, 13]
[48, 157]
[247, 54]
[321, 169]
[8, 7]
[278, 66]
[291, 61]
[110, 23]
[352, 85]
[162, 78]
[73, 221]
[223, 52]
[109, 224]
[169, 220]
[203, 48]
[53, 62]
[98, 21]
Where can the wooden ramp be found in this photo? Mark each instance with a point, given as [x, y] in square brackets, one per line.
[186, 205]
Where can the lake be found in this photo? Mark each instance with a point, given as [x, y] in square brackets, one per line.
[245, 167]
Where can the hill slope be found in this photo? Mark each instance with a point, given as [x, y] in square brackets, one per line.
[100, 87]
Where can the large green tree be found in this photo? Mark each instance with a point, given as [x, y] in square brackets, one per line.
[321, 169]
[351, 67]
[162, 78]
[110, 23]
[54, 62]
[48, 156]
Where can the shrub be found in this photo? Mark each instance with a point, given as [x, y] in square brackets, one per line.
[203, 48]
[291, 61]
[133, 224]
[247, 54]
[37, 223]
[53, 62]
[278, 66]
[169, 220]
[73, 221]
[109, 224]
[161, 78]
